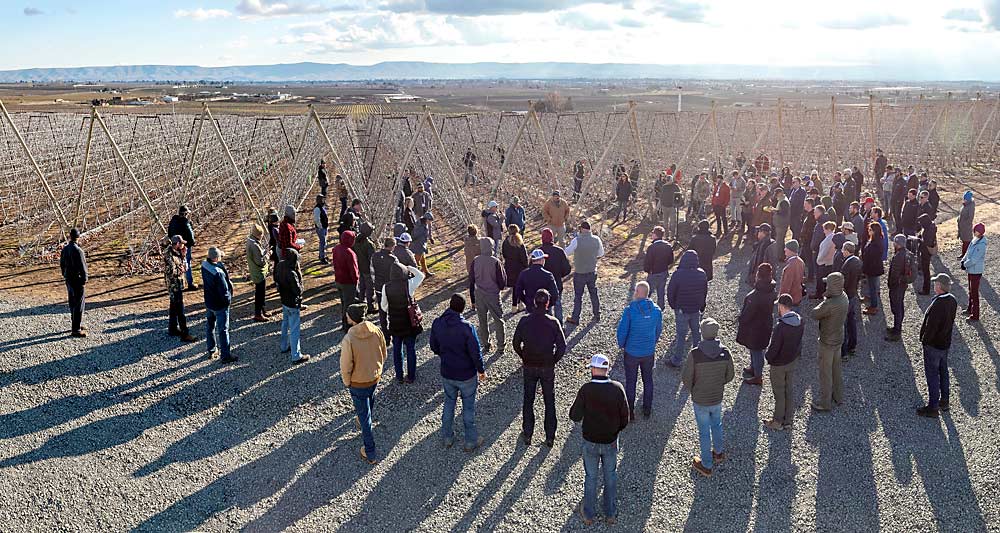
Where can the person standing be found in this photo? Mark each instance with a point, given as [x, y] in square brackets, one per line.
[487, 278]
[406, 215]
[346, 274]
[382, 265]
[737, 188]
[321, 178]
[755, 321]
[601, 405]
[421, 201]
[180, 224]
[927, 249]
[173, 269]
[825, 256]
[796, 206]
[515, 260]
[422, 236]
[469, 161]
[287, 235]
[555, 213]
[973, 263]
[873, 266]
[218, 291]
[966, 218]
[706, 372]
[686, 294]
[73, 264]
[852, 269]
[720, 200]
[402, 250]
[782, 352]
[638, 332]
[362, 356]
[831, 314]
[586, 249]
[656, 264]
[624, 190]
[288, 277]
[454, 340]
[780, 213]
[364, 249]
[540, 343]
[342, 193]
[322, 222]
[397, 297]
[578, 174]
[257, 267]
[935, 336]
[557, 263]
[763, 252]
[515, 214]
[909, 213]
[533, 278]
[705, 244]
[898, 265]
[793, 274]
[670, 202]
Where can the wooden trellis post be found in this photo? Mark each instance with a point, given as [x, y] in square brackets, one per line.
[607, 149]
[236, 168]
[781, 138]
[38, 170]
[510, 151]
[975, 146]
[194, 154]
[871, 125]
[466, 217]
[86, 164]
[357, 188]
[383, 221]
[831, 156]
[548, 153]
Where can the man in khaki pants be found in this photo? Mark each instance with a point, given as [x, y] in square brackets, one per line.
[555, 212]
[831, 314]
[782, 353]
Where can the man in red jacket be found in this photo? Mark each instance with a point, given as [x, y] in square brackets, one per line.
[346, 274]
[720, 199]
[287, 236]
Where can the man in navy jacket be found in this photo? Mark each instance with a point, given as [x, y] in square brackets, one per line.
[533, 278]
[686, 295]
[218, 297]
[454, 339]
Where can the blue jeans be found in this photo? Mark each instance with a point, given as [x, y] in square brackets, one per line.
[364, 402]
[600, 459]
[709, 419]
[850, 327]
[936, 369]
[686, 322]
[658, 284]
[290, 322]
[411, 356]
[217, 322]
[873, 289]
[557, 307]
[187, 274]
[590, 282]
[467, 389]
[757, 363]
[632, 367]
[321, 234]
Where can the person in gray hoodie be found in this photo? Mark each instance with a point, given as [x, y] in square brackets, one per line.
[706, 372]
[782, 352]
[486, 279]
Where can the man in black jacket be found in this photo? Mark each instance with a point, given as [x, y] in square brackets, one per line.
[897, 287]
[73, 264]
[763, 252]
[782, 352]
[602, 407]
[928, 244]
[382, 263]
[705, 244]
[851, 269]
[532, 279]
[180, 224]
[659, 257]
[557, 263]
[669, 206]
[935, 336]
[540, 342]
[908, 215]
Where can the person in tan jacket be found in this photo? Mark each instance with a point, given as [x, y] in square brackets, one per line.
[555, 213]
[793, 274]
[362, 354]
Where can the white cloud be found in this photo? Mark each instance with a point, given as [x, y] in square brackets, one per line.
[964, 14]
[582, 21]
[272, 8]
[992, 9]
[201, 14]
[33, 12]
[864, 22]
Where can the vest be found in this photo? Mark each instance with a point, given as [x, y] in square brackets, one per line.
[585, 255]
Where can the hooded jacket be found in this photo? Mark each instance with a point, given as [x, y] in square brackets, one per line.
[175, 266]
[966, 218]
[397, 299]
[364, 249]
[706, 371]
[256, 265]
[218, 288]
[487, 273]
[493, 224]
[786, 340]
[382, 262]
[362, 354]
[515, 260]
[287, 236]
[404, 255]
[763, 252]
[471, 248]
[832, 311]
[704, 243]
[531, 279]
[640, 327]
[688, 287]
[539, 340]
[73, 265]
[974, 259]
[939, 321]
[454, 339]
[345, 261]
[515, 215]
[756, 316]
[288, 277]
[557, 263]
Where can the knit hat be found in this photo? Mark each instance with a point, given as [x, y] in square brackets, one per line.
[979, 228]
[709, 329]
[967, 196]
[255, 231]
[357, 312]
[547, 236]
[792, 245]
[899, 240]
[289, 212]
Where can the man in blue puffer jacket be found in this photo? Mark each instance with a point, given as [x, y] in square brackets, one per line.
[638, 332]
[686, 295]
[454, 339]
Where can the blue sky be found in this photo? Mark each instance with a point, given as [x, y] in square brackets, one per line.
[959, 38]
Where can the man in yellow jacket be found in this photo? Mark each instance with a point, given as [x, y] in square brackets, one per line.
[362, 354]
[555, 212]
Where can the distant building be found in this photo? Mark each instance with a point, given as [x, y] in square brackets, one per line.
[171, 99]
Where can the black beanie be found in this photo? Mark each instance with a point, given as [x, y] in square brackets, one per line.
[357, 312]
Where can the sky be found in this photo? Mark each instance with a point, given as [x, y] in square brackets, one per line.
[956, 38]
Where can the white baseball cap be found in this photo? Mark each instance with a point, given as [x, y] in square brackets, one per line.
[404, 237]
[538, 254]
[599, 361]
[491, 204]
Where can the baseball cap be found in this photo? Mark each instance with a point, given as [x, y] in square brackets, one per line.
[404, 237]
[491, 204]
[847, 225]
[177, 239]
[555, 193]
[599, 361]
[785, 299]
[943, 279]
[538, 254]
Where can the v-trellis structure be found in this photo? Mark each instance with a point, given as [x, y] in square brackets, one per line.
[120, 177]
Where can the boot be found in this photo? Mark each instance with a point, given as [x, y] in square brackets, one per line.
[261, 318]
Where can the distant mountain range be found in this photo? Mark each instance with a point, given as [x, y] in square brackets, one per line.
[407, 70]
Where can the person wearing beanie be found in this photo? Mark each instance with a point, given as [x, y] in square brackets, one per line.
[935, 336]
[973, 263]
[556, 263]
[346, 274]
[851, 268]
[703, 243]
[540, 343]
[218, 291]
[897, 287]
[173, 268]
[965, 220]
[73, 265]
[793, 274]
[783, 351]
[362, 356]
[382, 265]
[831, 314]
[470, 245]
[287, 236]
[638, 332]
[927, 249]
[707, 370]
[586, 249]
[755, 321]
[454, 340]
[656, 264]
[397, 299]
[181, 225]
[321, 221]
[686, 295]
[555, 213]
[258, 269]
[364, 249]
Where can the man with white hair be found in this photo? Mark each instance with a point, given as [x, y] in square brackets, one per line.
[218, 297]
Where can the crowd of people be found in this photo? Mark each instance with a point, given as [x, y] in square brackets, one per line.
[812, 239]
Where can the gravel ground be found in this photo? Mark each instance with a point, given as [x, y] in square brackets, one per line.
[127, 429]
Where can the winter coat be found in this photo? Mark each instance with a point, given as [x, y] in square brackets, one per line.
[409, 219]
[557, 263]
[287, 237]
[706, 371]
[73, 265]
[623, 190]
[897, 269]
[515, 215]
[174, 267]
[515, 260]
[827, 251]
[288, 277]
[974, 259]
[704, 243]
[404, 255]
[555, 212]
[852, 271]
[421, 203]
[792, 277]
[659, 257]
[487, 273]
[939, 321]
[928, 235]
[702, 190]
[908, 218]
[494, 225]
[640, 327]
[688, 287]
[763, 252]
[471, 248]
[182, 226]
[256, 264]
[382, 262]
[966, 219]
[539, 340]
[345, 261]
[529, 281]
[786, 340]
[871, 259]
[720, 195]
[756, 316]
[362, 355]
[454, 340]
[364, 249]
[218, 288]
[397, 296]
[421, 235]
[832, 311]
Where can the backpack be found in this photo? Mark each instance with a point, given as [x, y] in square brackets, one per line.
[910, 267]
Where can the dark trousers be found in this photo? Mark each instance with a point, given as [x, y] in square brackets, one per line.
[807, 258]
[632, 367]
[348, 297]
[547, 377]
[936, 369]
[77, 301]
[822, 271]
[177, 322]
[588, 281]
[343, 205]
[411, 356]
[925, 268]
[896, 306]
[259, 294]
[965, 247]
[366, 287]
[974, 280]
[721, 222]
[658, 284]
[850, 326]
